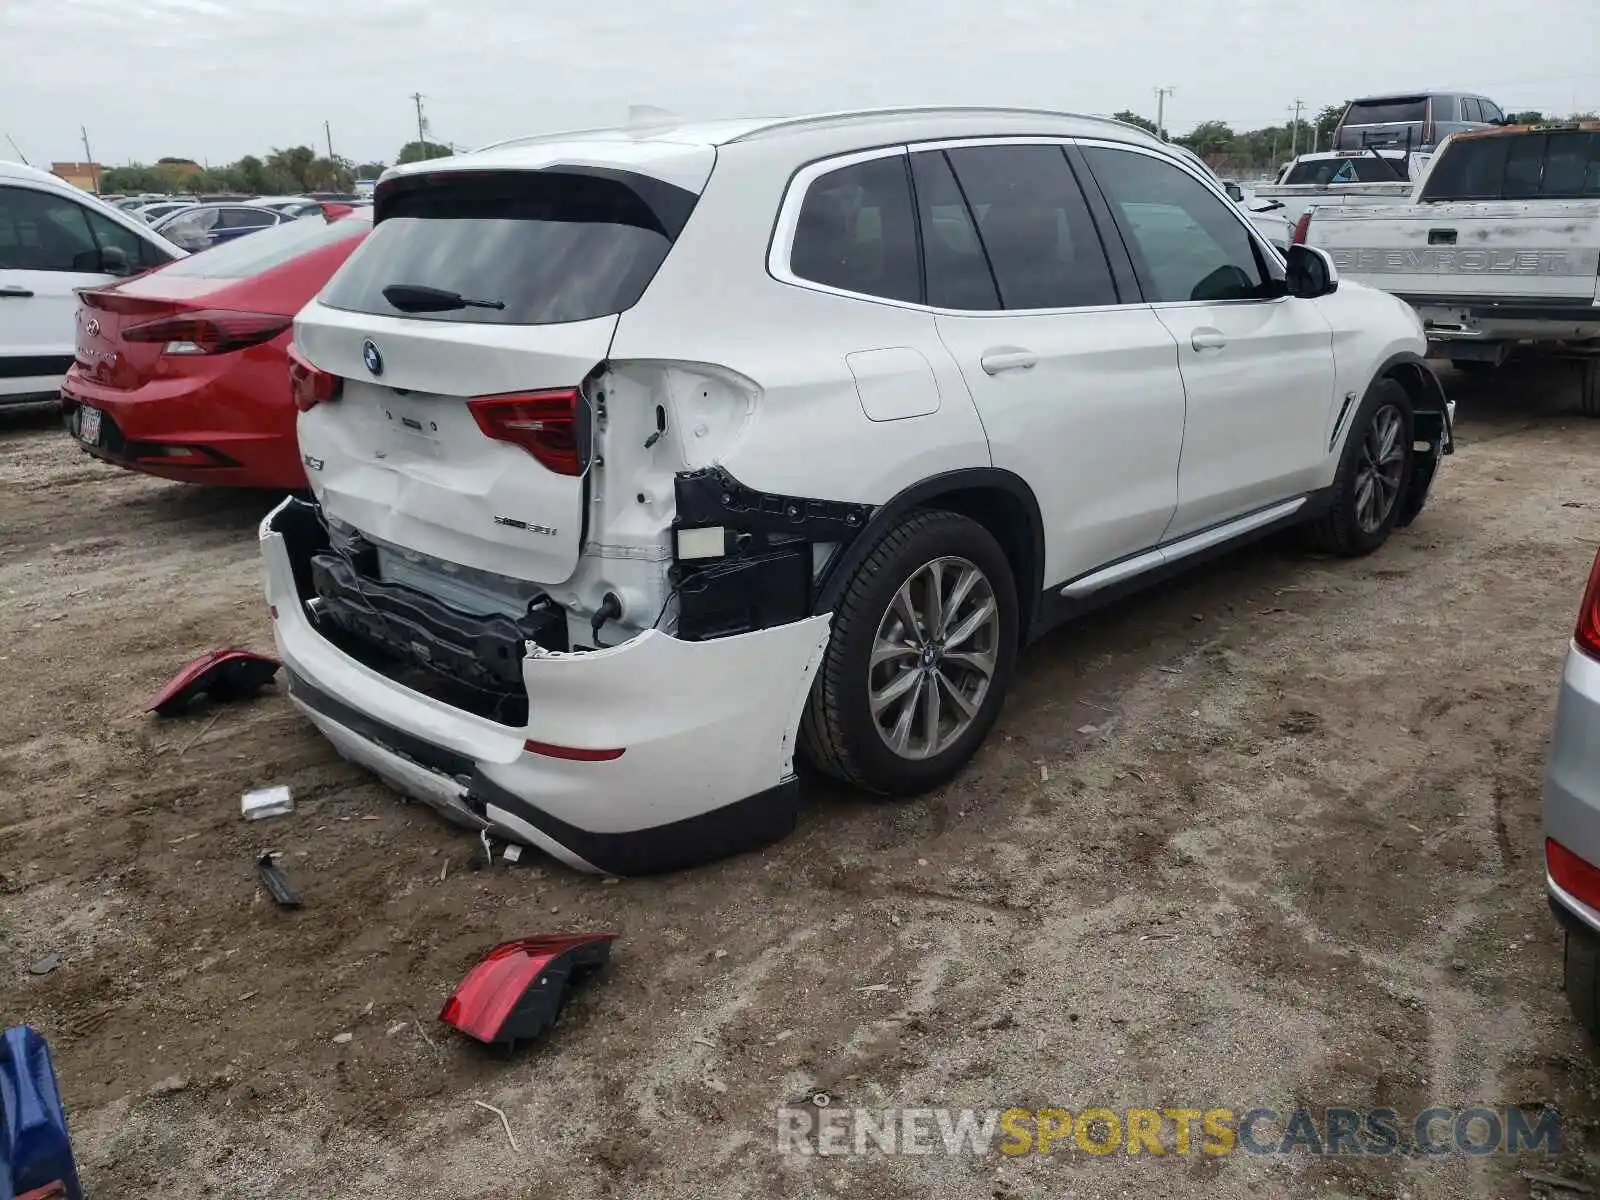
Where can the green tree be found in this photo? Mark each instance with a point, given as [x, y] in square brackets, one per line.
[1530, 117]
[1133, 118]
[287, 169]
[371, 170]
[418, 151]
[1209, 139]
[1326, 121]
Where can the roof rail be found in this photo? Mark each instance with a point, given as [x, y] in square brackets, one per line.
[920, 111]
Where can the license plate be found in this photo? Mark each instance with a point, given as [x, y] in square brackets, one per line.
[89, 425]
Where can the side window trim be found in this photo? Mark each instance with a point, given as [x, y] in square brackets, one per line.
[1268, 256]
[1105, 221]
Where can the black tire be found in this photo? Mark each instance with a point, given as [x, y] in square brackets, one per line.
[1581, 969]
[1339, 529]
[1589, 387]
[838, 733]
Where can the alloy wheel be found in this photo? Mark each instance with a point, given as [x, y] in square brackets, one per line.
[1382, 459]
[933, 657]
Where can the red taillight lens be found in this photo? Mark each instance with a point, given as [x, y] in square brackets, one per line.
[517, 989]
[1587, 635]
[213, 331]
[1574, 876]
[545, 424]
[1301, 228]
[309, 385]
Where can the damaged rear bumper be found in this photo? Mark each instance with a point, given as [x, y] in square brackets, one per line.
[647, 756]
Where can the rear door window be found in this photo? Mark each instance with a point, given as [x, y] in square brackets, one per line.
[527, 247]
[957, 268]
[247, 218]
[857, 231]
[1035, 226]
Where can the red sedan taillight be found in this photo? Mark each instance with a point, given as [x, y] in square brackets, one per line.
[211, 331]
[310, 385]
[545, 424]
[1573, 875]
[1587, 635]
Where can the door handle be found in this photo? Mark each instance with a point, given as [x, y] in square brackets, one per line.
[1008, 358]
[1208, 339]
[19, 292]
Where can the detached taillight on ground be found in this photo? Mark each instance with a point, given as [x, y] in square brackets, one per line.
[519, 988]
[545, 424]
[212, 331]
[310, 385]
[1587, 635]
[1301, 228]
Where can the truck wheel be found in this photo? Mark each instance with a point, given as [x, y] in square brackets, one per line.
[1373, 470]
[1582, 976]
[924, 640]
[1589, 387]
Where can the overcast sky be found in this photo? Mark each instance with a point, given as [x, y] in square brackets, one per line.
[215, 79]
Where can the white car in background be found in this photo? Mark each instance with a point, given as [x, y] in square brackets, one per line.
[54, 239]
[597, 547]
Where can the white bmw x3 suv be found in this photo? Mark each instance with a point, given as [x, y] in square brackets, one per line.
[644, 459]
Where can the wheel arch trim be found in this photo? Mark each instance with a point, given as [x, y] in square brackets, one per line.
[1027, 542]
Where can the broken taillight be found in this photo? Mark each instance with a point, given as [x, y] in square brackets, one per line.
[519, 988]
[1301, 228]
[212, 331]
[543, 423]
[1587, 635]
[310, 385]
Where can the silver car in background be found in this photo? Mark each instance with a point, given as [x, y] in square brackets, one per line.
[1572, 811]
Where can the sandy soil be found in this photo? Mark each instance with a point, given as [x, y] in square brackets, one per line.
[1268, 836]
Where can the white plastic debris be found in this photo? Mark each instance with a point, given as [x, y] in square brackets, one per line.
[511, 853]
[266, 802]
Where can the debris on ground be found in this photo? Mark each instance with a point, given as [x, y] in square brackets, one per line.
[276, 883]
[43, 966]
[220, 675]
[533, 974]
[505, 1124]
[343, 1039]
[266, 802]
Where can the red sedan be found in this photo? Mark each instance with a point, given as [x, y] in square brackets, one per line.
[183, 372]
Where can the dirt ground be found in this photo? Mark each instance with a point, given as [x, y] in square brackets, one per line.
[1268, 836]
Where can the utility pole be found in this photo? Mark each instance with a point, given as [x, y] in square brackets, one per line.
[421, 136]
[327, 129]
[1161, 111]
[1294, 130]
[88, 158]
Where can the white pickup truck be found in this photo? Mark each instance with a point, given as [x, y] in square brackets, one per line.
[1499, 250]
[1339, 178]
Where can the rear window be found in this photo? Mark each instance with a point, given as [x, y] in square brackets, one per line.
[246, 257]
[1525, 166]
[1323, 172]
[1387, 112]
[546, 247]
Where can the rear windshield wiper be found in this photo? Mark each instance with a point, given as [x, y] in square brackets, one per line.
[413, 297]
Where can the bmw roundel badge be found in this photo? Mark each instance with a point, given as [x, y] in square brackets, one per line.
[370, 356]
